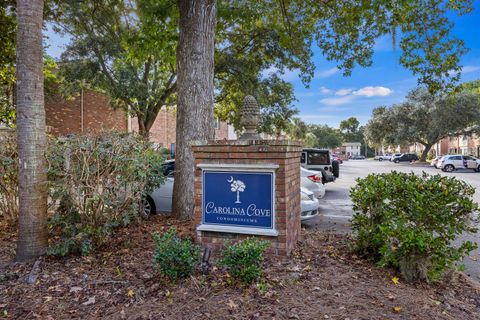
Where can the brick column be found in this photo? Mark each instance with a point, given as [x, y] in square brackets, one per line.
[285, 154]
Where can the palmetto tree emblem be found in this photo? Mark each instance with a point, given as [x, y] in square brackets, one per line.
[237, 186]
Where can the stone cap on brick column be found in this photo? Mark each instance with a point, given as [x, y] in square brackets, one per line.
[249, 118]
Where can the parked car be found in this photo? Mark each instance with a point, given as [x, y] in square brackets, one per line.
[308, 205]
[160, 200]
[406, 157]
[435, 161]
[394, 156]
[382, 157]
[454, 162]
[320, 160]
[312, 180]
[357, 157]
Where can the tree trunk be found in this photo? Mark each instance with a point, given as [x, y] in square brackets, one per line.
[31, 137]
[195, 95]
[425, 152]
[142, 130]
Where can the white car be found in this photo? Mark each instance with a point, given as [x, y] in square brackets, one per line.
[160, 200]
[308, 205]
[434, 162]
[312, 180]
[454, 162]
[383, 157]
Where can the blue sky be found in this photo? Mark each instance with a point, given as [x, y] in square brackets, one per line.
[332, 97]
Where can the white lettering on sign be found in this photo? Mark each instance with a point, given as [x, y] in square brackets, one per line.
[252, 210]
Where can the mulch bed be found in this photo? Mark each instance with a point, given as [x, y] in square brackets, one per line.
[322, 281]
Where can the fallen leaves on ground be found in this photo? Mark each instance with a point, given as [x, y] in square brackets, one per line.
[322, 279]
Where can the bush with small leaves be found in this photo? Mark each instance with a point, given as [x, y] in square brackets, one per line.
[96, 184]
[8, 177]
[244, 259]
[409, 222]
[175, 257]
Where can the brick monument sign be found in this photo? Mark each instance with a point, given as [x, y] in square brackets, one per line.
[248, 187]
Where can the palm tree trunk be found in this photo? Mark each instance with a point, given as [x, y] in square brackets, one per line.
[31, 137]
[195, 94]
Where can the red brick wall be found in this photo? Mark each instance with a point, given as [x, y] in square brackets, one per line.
[222, 132]
[163, 130]
[64, 117]
[286, 155]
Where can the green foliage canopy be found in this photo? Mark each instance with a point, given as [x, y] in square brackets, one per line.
[127, 48]
[325, 136]
[425, 118]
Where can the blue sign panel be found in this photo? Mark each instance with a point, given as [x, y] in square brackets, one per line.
[238, 199]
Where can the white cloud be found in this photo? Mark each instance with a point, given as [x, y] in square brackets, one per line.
[343, 92]
[373, 92]
[324, 90]
[468, 69]
[336, 101]
[327, 73]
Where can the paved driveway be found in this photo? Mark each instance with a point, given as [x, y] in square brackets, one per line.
[336, 209]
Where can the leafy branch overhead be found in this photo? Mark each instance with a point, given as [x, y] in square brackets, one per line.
[127, 48]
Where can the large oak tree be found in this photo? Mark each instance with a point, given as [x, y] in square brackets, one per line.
[425, 118]
[195, 94]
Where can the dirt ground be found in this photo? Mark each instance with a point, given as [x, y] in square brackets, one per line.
[322, 281]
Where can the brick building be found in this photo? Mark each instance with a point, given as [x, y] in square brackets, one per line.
[90, 112]
[163, 131]
[466, 145]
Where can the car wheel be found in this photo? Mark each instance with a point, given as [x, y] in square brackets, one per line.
[336, 168]
[380, 159]
[147, 207]
[478, 169]
[396, 161]
[449, 168]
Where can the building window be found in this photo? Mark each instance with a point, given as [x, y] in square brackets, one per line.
[217, 123]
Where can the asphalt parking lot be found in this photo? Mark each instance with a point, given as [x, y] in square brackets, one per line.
[336, 207]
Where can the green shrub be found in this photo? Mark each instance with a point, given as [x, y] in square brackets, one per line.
[8, 177]
[95, 184]
[409, 222]
[175, 257]
[244, 259]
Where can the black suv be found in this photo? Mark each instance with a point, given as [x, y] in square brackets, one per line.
[406, 157]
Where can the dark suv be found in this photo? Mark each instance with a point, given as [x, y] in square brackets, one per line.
[406, 157]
